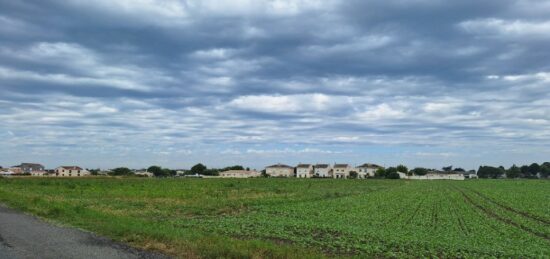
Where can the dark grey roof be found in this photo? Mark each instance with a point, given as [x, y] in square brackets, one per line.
[321, 166]
[303, 165]
[341, 165]
[367, 165]
[279, 166]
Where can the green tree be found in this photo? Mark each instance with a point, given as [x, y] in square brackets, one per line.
[534, 169]
[402, 169]
[489, 172]
[447, 168]
[380, 173]
[545, 170]
[353, 175]
[198, 169]
[121, 171]
[513, 172]
[419, 171]
[156, 170]
[524, 170]
[94, 171]
[391, 173]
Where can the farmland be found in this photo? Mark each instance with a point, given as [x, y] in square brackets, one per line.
[291, 218]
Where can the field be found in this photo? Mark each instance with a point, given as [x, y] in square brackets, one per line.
[292, 218]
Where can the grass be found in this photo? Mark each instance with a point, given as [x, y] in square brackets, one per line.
[299, 218]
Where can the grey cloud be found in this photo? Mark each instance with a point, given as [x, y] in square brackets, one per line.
[195, 79]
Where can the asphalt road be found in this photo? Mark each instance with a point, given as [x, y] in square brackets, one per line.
[24, 236]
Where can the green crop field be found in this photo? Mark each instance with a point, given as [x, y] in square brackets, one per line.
[292, 218]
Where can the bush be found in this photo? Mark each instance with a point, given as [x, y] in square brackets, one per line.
[393, 175]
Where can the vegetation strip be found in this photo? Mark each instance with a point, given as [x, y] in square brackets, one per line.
[503, 219]
[522, 213]
[297, 218]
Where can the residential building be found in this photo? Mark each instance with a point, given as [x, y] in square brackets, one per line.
[15, 170]
[322, 170]
[143, 173]
[28, 168]
[341, 171]
[304, 171]
[239, 174]
[367, 170]
[70, 171]
[39, 173]
[280, 170]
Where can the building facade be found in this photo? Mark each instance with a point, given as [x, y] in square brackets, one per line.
[304, 171]
[367, 170]
[322, 170]
[28, 168]
[341, 171]
[280, 170]
[70, 171]
[239, 174]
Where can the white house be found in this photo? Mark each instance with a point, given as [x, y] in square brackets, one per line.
[322, 170]
[367, 170]
[239, 174]
[70, 171]
[304, 171]
[280, 170]
[341, 171]
[143, 173]
[434, 176]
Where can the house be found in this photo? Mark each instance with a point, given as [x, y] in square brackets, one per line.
[15, 170]
[6, 172]
[71, 171]
[367, 170]
[239, 174]
[28, 168]
[434, 175]
[280, 170]
[39, 173]
[304, 171]
[322, 170]
[143, 173]
[341, 171]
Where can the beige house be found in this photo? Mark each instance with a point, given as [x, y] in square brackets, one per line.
[322, 170]
[304, 171]
[367, 170]
[280, 170]
[239, 174]
[341, 171]
[70, 171]
[39, 173]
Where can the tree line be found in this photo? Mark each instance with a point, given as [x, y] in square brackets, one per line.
[158, 171]
[533, 170]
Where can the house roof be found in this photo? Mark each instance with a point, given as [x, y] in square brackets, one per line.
[279, 166]
[303, 165]
[341, 165]
[321, 165]
[367, 165]
[72, 167]
[31, 165]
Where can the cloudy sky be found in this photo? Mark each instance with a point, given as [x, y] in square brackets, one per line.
[174, 82]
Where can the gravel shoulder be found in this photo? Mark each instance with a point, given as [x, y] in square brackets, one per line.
[25, 236]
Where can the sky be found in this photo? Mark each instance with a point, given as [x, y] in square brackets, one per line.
[256, 82]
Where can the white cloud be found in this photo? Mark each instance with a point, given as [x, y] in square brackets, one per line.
[301, 103]
[507, 28]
